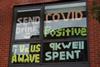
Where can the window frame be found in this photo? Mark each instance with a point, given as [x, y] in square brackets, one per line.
[41, 39]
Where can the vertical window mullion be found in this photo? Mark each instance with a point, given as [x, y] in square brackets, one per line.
[42, 16]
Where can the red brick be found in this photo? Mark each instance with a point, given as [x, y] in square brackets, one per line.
[6, 22]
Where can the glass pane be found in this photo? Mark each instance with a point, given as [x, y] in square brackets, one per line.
[27, 24]
[68, 23]
[65, 21]
[65, 51]
[25, 53]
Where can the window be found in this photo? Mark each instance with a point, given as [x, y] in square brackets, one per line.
[65, 21]
[27, 24]
[26, 43]
[49, 33]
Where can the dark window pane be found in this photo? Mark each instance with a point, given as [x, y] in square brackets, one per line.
[65, 51]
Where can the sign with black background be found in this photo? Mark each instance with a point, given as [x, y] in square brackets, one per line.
[68, 51]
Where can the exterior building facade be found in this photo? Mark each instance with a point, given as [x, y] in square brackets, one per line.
[14, 12]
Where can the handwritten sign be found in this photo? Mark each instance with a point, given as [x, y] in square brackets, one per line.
[68, 51]
[26, 53]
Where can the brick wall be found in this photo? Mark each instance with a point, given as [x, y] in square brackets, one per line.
[94, 37]
[6, 23]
